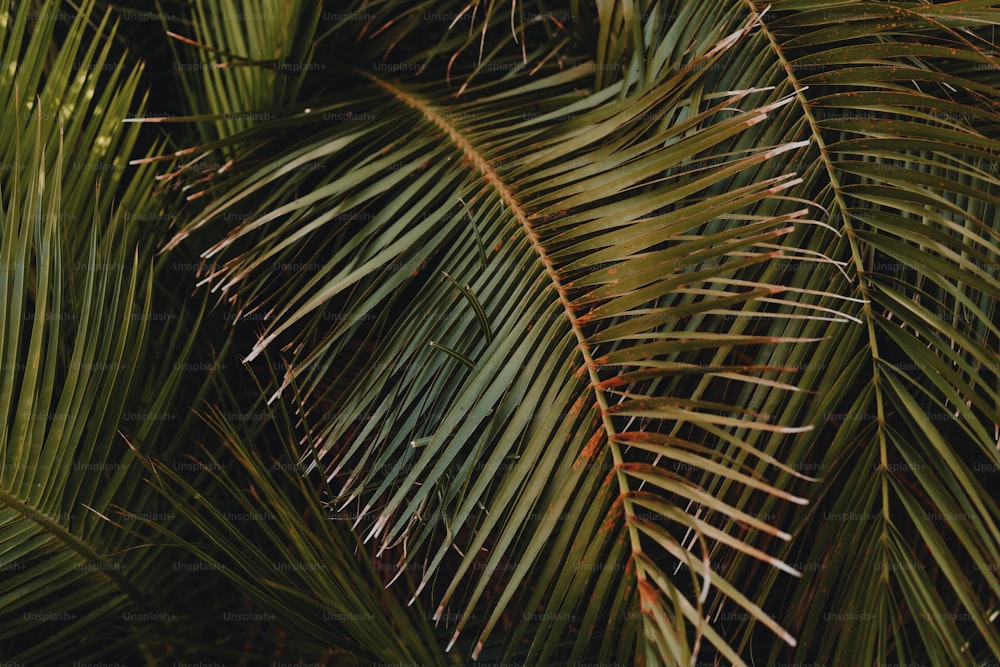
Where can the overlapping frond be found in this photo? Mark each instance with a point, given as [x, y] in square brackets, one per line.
[285, 551]
[65, 380]
[75, 318]
[570, 263]
[243, 59]
[898, 102]
[570, 336]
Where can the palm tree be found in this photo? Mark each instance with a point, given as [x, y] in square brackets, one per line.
[642, 333]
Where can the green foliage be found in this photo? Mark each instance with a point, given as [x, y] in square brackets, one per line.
[657, 333]
[74, 310]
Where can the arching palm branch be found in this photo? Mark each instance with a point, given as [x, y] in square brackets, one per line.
[572, 338]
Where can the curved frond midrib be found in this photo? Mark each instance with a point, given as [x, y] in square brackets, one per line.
[885, 394]
[493, 179]
[852, 239]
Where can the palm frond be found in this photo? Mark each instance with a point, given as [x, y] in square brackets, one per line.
[77, 318]
[898, 104]
[566, 335]
[602, 293]
[297, 561]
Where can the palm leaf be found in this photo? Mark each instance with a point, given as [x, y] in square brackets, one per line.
[572, 209]
[666, 264]
[895, 102]
[280, 546]
[77, 321]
